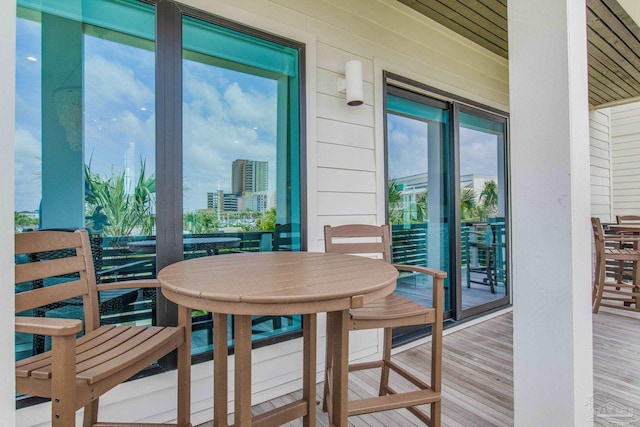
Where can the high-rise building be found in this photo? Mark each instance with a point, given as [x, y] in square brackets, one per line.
[222, 202]
[249, 176]
[256, 202]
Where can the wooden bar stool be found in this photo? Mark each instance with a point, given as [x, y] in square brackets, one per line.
[392, 311]
[617, 293]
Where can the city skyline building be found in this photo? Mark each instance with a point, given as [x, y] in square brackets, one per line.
[249, 176]
[249, 185]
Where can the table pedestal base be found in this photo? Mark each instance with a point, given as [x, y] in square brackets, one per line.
[305, 407]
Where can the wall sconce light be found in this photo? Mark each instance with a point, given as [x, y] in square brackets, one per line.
[352, 83]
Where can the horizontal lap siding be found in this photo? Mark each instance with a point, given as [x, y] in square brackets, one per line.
[625, 153]
[348, 154]
[345, 151]
[600, 154]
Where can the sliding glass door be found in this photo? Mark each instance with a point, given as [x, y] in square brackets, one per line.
[418, 130]
[447, 196]
[482, 192]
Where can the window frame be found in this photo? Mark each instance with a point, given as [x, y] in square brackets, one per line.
[169, 143]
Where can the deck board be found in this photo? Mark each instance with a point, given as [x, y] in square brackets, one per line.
[478, 375]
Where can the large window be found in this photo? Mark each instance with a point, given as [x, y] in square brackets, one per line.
[240, 153]
[96, 147]
[85, 141]
[447, 204]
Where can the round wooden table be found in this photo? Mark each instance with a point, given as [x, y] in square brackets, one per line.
[278, 283]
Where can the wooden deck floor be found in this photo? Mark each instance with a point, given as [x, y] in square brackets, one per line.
[478, 376]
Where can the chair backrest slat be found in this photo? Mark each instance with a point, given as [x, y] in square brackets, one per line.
[44, 241]
[60, 267]
[358, 239]
[628, 219]
[49, 295]
[49, 268]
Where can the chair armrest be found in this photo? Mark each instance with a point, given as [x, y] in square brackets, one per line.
[438, 274]
[124, 268]
[438, 285]
[129, 284]
[47, 326]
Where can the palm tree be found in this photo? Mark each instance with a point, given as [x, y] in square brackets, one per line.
[395, 203]
[125, 213]
[200, 222]
[267, 222]
[489, 198]
[468, 203]
[422, 208]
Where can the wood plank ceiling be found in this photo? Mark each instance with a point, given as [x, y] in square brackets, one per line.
[613, 40]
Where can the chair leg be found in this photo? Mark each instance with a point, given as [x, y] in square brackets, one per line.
[436, 411]
[327, 368]
[184, 369]
[63, 379]
[386, 360]
[310, 327]
[91, 413]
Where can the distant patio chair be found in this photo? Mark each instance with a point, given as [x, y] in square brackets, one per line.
[77, 371]
[630, 220]
[392, 311]
[481, 239]
[613, 291]
[286, 237]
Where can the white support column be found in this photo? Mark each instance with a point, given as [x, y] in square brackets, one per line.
[553, 361]
[7, 120]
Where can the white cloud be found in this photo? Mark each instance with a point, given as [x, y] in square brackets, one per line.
[28, 171]
[114, 97]
[110, 83]
[251, 107]
[478, 153]
[219, 121]
[407, 146]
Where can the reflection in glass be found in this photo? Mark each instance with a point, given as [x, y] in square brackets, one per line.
[482, 207]
[417, 200]
[85, 140]
[240, 154]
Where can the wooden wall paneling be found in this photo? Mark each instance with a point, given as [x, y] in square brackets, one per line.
[344, 157]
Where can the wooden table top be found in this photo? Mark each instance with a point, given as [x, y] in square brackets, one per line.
[277, 283]
[625, 227]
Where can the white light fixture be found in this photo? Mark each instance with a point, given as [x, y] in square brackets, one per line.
[352, 83]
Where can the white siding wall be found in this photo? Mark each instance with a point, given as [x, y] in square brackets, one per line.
[345, 149]
[600, 147]
[7, 103]
[625, 132]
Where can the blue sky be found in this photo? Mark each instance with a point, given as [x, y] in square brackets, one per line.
[408, 140]
[228, 115]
